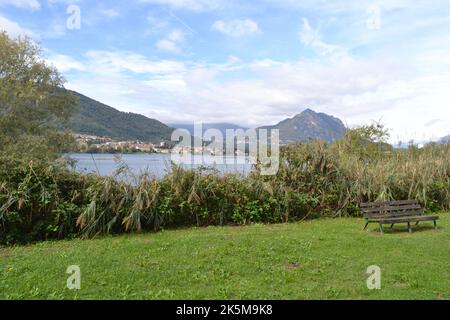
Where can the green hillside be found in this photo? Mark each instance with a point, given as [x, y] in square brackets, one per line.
[95, 118]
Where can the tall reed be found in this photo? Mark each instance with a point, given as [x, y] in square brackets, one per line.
[40, 201]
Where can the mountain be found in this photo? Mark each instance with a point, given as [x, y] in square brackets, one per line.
[222, 127]
[309, 125]
[445, 139]
[95, 118]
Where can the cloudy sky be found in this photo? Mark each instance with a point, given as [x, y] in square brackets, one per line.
[252, 62]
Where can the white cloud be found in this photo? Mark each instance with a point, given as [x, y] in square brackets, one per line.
[236, 28]
[346, 6]
[192, 5]
[53, 30]
[109, 13]
[107, 62]
[65, 63]
[171, 84]
[172, 43]
[169, 46]
[65, 2]
[13, 28]
[24, 4]
[156, 22]
[312, 38]
[176, 36]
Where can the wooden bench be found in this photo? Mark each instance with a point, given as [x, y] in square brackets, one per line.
[393, 212]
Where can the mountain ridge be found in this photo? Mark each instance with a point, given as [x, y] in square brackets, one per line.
[445, 139]
[309, 125]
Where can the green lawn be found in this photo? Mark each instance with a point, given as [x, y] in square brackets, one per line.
[320, 259]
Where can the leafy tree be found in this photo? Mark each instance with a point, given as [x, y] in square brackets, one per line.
[374, 133]
[33, 102]
[366, 141]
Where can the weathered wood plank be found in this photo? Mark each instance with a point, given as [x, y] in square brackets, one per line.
[384, 203]
[388, 209]
[405, 220]
[394, 214]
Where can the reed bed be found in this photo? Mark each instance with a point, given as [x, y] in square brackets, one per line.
[40, 201]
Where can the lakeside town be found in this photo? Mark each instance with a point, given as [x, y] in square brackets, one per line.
[95, 144]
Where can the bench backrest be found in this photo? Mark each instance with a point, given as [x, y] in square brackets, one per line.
[400, 208]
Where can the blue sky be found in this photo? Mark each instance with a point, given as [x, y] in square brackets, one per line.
[253, 62]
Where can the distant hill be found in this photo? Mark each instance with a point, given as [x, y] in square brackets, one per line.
[445, 139]
[222, 127]
[309, 125]
[95, 118]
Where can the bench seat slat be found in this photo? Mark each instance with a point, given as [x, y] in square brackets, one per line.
[391, 203]
[404, 220]
[394, 215]
[391, 208]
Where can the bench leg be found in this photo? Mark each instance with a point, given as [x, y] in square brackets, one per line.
[392, 225]
[417, 223]
[365, 227]
[381, 229]
[435, 224]
[409, 227]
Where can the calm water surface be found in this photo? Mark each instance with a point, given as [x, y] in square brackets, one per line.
[156, 165]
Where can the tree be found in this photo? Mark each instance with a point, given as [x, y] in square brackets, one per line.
[367, 141]
[33, 102]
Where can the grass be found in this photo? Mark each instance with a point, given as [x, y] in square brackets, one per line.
[319, 259]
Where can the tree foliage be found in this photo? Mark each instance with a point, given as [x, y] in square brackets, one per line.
[32, 102]
[367, 141]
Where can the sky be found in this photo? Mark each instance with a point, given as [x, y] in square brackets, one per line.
[253, 62]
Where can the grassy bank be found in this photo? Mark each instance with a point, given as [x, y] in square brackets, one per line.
[324, 259]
